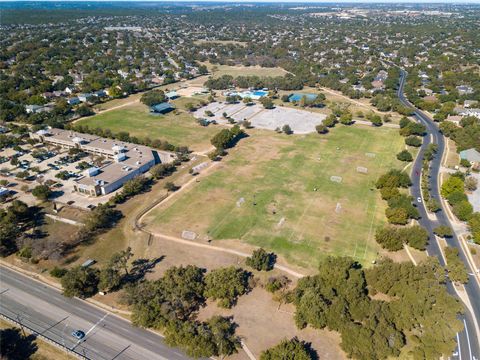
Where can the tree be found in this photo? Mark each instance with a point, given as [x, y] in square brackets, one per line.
[175, 296]
[267, 102]
[471, 183]
[398, 216]
[376, 120]
[84, 110]
[81, 282]
[109, 279]
[456, 268]
[433, 205]
[170, 186]
[321, 129]
[413, 141]
[292, 349]
[119, 260]
[160, 171]
[443, 231]
[346, 118]
[474, 226]
[287, 129]
[330, 121]
[463, 210]
[394, 178]
[261, 260]
[153, 97]
[226, 285]
[404, 155]
[41, 192]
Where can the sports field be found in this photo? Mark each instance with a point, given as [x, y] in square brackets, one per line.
[180, 129]
[263, 193]
[240, 70]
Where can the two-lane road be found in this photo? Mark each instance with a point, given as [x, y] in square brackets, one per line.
[47, 311]
[469, 347]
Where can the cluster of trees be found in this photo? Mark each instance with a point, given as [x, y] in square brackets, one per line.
[153, 97]
[227, 138]
[457, 271]
[261, 260]
[171, 302]
[384, 102]
[400, 208]
[466, 136]
[453, 189]
[131, 188]
[409, 127]
[393, 238]
[15, 220]
[292, 349]
[338, 298]
[287, 82]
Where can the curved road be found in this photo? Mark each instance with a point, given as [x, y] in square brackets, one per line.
[468, 339]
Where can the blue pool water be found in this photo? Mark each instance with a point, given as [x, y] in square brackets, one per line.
[260, 93]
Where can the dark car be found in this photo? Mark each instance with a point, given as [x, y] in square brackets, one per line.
[78, 334]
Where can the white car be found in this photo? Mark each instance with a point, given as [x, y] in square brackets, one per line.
[419, 199]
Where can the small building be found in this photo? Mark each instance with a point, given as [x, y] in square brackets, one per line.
[171, 95]
[84, 97]
[469, 103]
[4, 191]
[464, 90]
[162, 108]
[471, 155]
[33, 109]
[73, 101]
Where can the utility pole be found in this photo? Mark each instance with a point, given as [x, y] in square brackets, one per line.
[21, 325]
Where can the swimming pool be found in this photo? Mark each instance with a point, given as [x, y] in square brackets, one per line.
[260, 93]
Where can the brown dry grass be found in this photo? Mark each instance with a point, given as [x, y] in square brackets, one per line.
[262, 324]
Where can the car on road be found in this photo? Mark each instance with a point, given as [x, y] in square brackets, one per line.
[419, 199]
[78, 334]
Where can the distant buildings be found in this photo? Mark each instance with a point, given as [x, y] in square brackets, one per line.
[127, 160]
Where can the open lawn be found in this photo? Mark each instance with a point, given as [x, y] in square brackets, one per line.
[263, 194]
[219, 70]
[178, 129]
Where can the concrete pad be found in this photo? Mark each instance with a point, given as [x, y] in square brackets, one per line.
[300, 121]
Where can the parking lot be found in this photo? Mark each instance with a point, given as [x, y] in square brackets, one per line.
[55, 167]
[300, 121]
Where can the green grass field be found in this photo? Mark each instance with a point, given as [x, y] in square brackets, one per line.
[276, 176]
[180, 129]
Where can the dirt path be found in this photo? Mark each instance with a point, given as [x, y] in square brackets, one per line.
[359, 103]
[106, 110]
[138, 223]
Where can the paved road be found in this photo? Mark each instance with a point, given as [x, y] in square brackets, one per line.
[46, 310]
[467, 339]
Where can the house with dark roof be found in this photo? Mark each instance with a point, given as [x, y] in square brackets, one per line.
[162, 108]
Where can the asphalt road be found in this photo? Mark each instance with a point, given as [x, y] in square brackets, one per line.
[47, 311]
[469, 347]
